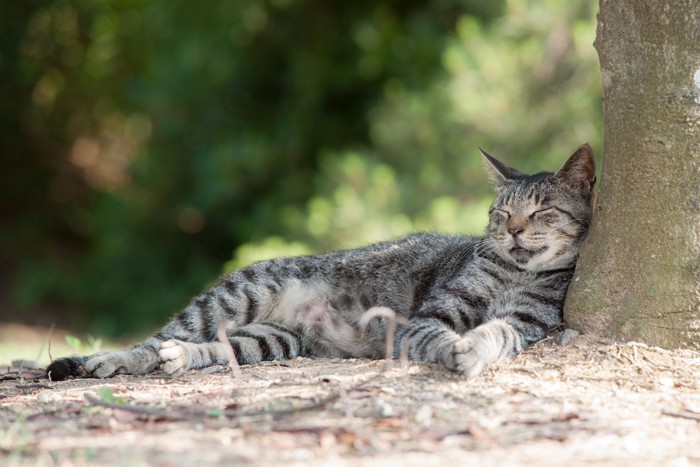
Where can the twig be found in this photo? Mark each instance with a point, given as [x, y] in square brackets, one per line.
[17, 375]
[47, 340]
[391, 319]
[200, 415]
[49, 350]
[221, 333]
[32, 386]
[140, 410]
[314, 406]
[683, 414]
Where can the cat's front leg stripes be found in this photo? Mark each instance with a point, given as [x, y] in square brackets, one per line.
[515, 322]
[431, 340]
[492, 341]
[426, 338]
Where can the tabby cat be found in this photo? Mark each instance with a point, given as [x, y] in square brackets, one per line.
[468, 301]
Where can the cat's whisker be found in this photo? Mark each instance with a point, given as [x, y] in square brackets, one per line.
[488, 245]
[571, 221]
[566, 244]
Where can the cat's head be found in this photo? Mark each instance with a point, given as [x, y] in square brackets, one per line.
[539, 221]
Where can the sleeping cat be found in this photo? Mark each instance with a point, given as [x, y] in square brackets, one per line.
[468, 301]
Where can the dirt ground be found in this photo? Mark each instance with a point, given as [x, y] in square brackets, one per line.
[589, 402]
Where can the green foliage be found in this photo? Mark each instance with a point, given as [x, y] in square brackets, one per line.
[107, 394]
[154, 138]
[267, 248]
[524, 86]
[93, 344]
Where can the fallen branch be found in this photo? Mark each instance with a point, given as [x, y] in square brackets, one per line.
[26, 387]
[201, 415]
[152, 411]
[683, 414]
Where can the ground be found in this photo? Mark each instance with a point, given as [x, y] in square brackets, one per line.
[585, 402]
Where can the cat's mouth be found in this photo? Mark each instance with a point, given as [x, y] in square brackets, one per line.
[522, 255]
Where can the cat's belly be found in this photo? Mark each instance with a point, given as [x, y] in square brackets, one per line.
[305, 307]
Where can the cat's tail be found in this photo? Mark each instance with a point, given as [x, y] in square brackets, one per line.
[62, 368]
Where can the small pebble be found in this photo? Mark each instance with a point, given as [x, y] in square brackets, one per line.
[48, 396]
[385, 409]
[667, 382]
[424, 416]
[565, 336]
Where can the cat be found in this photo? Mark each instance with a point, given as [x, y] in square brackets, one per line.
[467, 302]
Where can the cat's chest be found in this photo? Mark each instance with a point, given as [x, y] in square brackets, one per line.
[491, 279]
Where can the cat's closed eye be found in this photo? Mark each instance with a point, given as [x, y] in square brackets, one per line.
[549, 216]
[498, 215]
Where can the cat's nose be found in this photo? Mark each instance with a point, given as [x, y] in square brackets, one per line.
[515, 230]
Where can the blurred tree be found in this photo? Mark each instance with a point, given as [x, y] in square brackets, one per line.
[153, 137]
[639, 273]
[423, 157]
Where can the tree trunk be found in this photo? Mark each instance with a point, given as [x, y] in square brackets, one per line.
[638, 276]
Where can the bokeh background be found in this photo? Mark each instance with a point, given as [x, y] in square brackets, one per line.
[150, 145]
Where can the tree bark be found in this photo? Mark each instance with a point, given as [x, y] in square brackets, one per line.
[638, 276]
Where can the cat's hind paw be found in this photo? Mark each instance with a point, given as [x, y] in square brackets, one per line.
[107, 364]
[66, 367]
[175, 357]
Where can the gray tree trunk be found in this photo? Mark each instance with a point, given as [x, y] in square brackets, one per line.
[638, 276]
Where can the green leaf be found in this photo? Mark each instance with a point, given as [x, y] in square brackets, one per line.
[95, 343]
[107, 395]
[75, 343]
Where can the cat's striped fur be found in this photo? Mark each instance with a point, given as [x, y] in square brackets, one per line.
[470, 301]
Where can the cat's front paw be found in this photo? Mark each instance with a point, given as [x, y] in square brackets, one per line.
[465, 356]
[174, 357]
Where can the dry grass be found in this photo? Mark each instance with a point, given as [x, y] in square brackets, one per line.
[587, 402]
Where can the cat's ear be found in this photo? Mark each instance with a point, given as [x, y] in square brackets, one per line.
[579, 170]
[500, 173]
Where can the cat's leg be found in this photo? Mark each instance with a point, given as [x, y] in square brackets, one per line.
[437, 327]
[430, 339]
[252, 343]
[426, 339]
[239, 298]
[497, 339]
[504, 335]
[513, 321]
[466, 334]
[140, 359]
